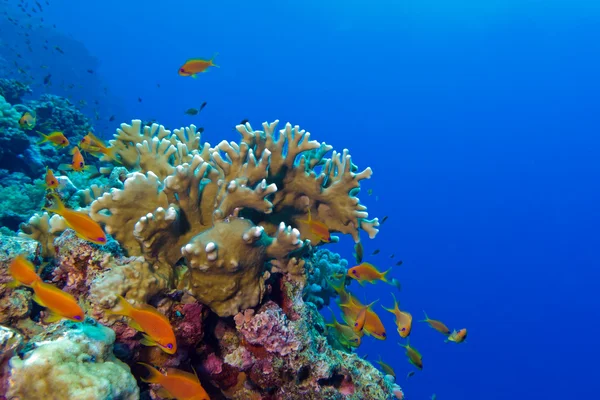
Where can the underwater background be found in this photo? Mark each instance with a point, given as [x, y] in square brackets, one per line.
[480, 121]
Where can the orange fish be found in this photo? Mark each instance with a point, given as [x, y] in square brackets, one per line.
[176, 384]
[437, 325]
[51, 181]
[58, 139]
[317, 228]
[22, 271]
[403, 319]
[27, 121]
[78, 163]
[60, 303]
[361, 318]
[195, 66]
[366, 272]
[85, 227]
[373, 325]
[96, 147]
[156, 327]
[457, 336]
[414, 357]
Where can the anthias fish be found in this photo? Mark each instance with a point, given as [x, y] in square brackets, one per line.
[156, 327]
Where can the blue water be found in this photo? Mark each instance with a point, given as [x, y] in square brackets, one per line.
[481, 122]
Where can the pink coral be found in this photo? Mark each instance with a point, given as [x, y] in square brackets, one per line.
[270, 329]
[188, 329]
[213, 364]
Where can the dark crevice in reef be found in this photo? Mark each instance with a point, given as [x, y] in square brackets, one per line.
[303, 374]
[334, 380]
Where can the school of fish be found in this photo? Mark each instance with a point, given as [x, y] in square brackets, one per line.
[360, 319]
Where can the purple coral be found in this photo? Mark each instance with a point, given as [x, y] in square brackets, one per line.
[269, 329]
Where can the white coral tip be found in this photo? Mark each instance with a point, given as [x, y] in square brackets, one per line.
[210, 247]
[211, 256]
[189, 248]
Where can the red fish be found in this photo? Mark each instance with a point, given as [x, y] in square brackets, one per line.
[195, 66]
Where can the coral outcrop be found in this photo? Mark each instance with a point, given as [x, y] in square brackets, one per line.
[202, 234]
[227, 210]
[71, 361]
[13, 90]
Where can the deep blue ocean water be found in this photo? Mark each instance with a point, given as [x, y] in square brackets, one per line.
[480, 120]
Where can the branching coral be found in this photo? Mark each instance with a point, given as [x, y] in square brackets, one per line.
[217, 207]
[44, 229]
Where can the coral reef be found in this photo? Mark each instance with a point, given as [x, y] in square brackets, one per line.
[282, 353]
[202, 234]
[17, 201]
[13, 90]
[9, 116]
[19, 149]
[55, 113]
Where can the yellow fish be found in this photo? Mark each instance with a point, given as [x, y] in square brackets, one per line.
[57, 138]
[27, 120]
[414, 357]
[457, 336]
[403, 319]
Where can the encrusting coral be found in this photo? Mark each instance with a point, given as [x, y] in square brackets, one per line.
[71, 361]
